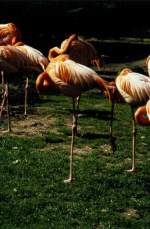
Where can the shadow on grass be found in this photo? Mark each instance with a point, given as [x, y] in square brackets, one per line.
[103, 115]
[92, 136]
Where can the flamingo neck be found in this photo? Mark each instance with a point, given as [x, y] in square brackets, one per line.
[141, 116]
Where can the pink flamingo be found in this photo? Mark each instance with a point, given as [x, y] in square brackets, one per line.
[135, 89]
[70, 79]
[13, 60]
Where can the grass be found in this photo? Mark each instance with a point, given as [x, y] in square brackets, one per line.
[35, 161]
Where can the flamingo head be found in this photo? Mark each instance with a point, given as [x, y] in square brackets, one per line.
[125, 71]
[44, 84]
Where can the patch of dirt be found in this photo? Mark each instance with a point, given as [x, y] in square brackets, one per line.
[130, 213]
[32, 125]
[106, 148]
[82, 151]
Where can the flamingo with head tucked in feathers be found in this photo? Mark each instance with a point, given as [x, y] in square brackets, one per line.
[14, 59]
[135, 89]
[9, 34]
[70, 79]
[78, 50]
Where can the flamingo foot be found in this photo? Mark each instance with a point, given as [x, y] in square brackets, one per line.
[69, 180]
[6, 131]
[131, 170]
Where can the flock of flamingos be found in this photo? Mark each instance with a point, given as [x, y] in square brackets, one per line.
[67, 70]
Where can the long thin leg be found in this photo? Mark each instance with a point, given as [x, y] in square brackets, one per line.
[4, 96]
[26, 96]
[72, 144]
[111, 119]
[3, 93]
[112, 139]
[133, 141]
[3, 81]
[8, 108]
[77, 113]
[78, 101]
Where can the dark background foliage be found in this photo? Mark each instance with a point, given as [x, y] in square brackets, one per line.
[44, 21]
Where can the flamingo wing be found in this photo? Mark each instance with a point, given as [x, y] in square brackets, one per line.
[78, 78]
[13, 59]
[134, 87]
[38, 60]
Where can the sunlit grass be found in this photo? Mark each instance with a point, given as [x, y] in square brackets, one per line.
[103, 195]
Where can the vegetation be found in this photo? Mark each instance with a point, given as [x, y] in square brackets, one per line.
[35, 161]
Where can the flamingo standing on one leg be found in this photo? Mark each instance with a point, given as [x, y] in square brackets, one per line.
[70, 79]
[14, 60]
[113, 95]
[142, 114]
[135, 89]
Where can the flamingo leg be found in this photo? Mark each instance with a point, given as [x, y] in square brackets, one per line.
[78, 101]
[26, 96]
[133, 141]
[74, 127]
[112, 139]
[8, 108]
[77, 113]
[2, 74]
[5, 97]
[3, 93]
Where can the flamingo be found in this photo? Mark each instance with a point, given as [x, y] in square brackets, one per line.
[142, 114]
[78, 50]
[70, 79]
[9, 34]
[135, 89]
[13, 60]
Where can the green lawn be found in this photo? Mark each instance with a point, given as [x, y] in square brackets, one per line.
[34, 161]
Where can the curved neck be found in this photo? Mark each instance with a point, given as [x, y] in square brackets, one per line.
[54, 52]
[141, 116]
